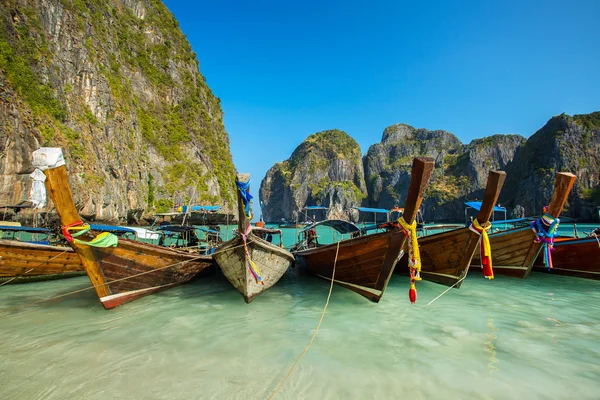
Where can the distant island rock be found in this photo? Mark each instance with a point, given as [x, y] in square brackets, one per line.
[460, 170]
[565, 143]
[326, 169]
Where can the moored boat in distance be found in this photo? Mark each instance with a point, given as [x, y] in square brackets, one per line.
[365, 264]
[446, 256]
[250, 263]
[120, 270]
[34, 260]
[516, 249]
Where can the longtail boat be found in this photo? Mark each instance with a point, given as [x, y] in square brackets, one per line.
[29, 261]
[579, 257]
[446, 256]
[365, 264]
[515, 250]
[120, 270]
[250, 263]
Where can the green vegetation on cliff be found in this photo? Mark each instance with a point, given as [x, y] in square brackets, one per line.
[118, 82]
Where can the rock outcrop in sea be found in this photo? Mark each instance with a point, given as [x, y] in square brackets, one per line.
[566, 143]
[118, 87]
[460, 170]
[326, 170]
[460, 173]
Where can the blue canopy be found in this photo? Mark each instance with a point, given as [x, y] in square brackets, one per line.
[477, 205]
[337, 224]
[373, 210]
[111, 229]
[201, 208]
[315, 208]
[29, 229]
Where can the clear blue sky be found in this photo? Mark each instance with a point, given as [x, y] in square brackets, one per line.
[284, 70]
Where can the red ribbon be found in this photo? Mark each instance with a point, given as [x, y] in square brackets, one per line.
[65, 230]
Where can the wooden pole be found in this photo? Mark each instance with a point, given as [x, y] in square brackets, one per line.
[57, 185]
[490, 197]
[422, 169]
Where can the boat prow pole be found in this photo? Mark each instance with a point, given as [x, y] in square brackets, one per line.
[51, 161]
[562, 187]
[422, 169]
[490, 197]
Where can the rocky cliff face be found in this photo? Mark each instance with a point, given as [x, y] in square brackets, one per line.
[565, 143]
[117, 86]
[326, 169]
[460, 170]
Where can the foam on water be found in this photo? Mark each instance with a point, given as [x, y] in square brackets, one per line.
[504, 339]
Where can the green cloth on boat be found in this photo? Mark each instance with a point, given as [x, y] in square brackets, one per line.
[105, 239]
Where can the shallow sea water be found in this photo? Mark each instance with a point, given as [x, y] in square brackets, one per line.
[537, 338]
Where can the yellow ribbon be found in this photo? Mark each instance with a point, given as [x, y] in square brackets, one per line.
[414, 256]
[485, 240]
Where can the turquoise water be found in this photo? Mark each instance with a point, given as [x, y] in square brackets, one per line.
[503, 339]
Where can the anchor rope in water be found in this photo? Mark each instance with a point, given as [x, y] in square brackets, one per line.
[446, 291]
[37, 266]
[316, 330]
[102, 284]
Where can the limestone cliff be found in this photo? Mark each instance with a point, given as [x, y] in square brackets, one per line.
[565, 143]
[118, 87]
[326, 169]
[460, 170]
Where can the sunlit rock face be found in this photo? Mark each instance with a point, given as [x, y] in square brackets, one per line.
[117, 86]
[326, 170]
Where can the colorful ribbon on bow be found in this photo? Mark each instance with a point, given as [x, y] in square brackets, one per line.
[243, 188]
[251, 265]
[485, 249]
[546, 229]
[414, 256]
[104, 239]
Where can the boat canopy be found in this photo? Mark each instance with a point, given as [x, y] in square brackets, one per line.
[199, 208]
[316, 208]
[209, 230]
[28, 229]
[337, 224]
[111, 228]
[373, 210]
[477, 205]
[176, 228]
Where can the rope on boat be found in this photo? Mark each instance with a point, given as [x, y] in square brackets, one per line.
[316, 330]
[37, 266]
[446, 291]
[15, 277]
[102, 284]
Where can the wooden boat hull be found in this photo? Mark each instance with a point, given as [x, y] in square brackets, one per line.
[363, 264]
[513, 251]
[28, 262]
[573, 257]
[134, 269]
[445, 257]
[272, 262]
